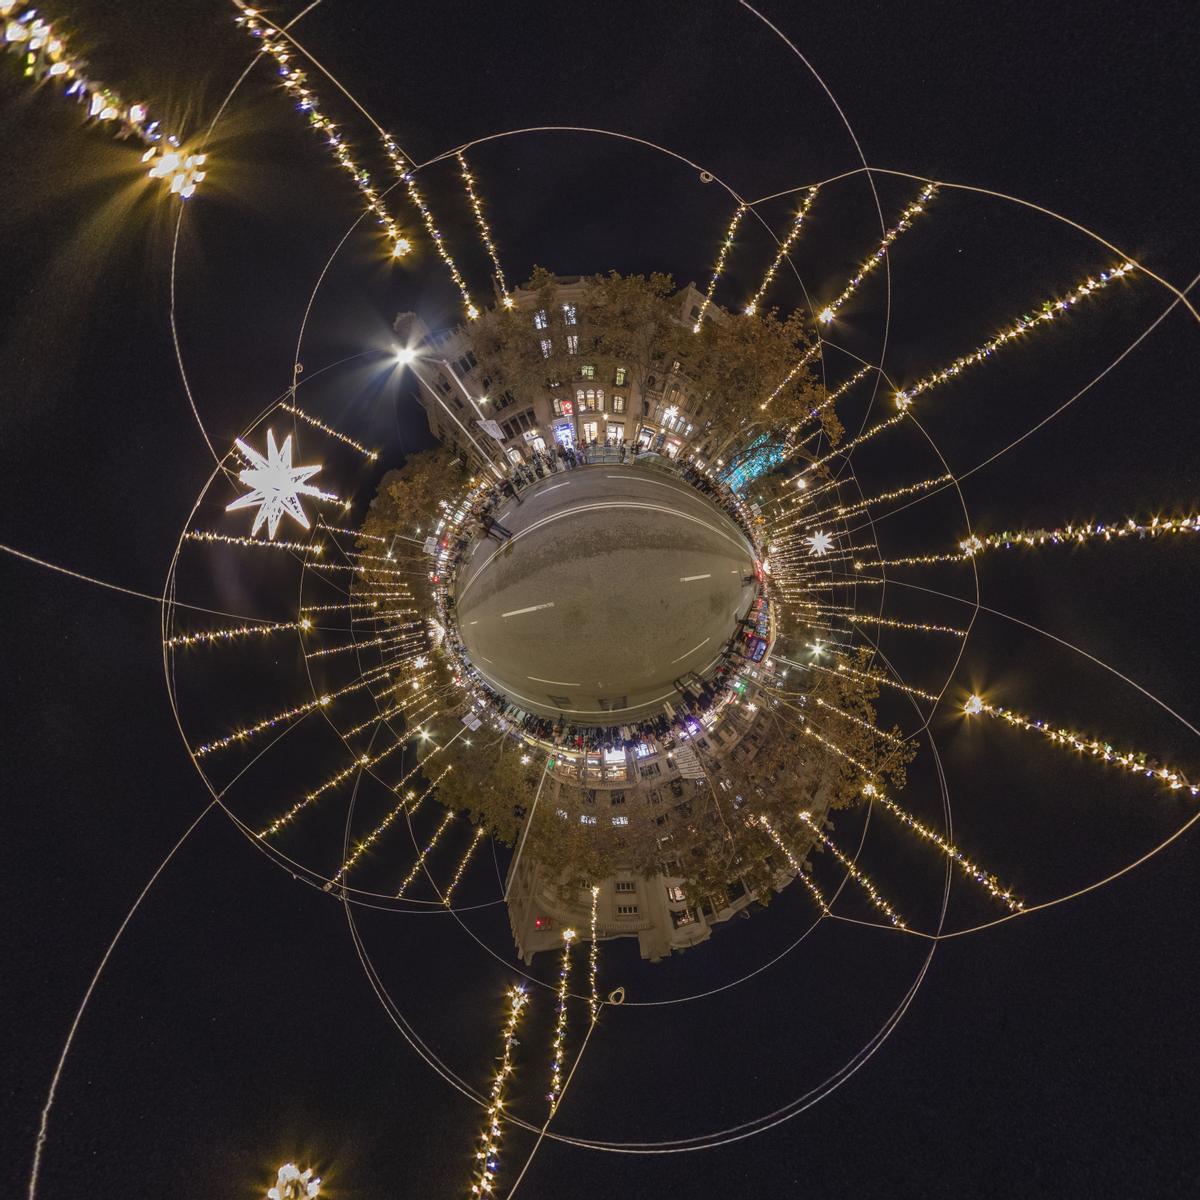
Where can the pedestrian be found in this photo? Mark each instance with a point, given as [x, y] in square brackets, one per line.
[493, 528]
[509, 490]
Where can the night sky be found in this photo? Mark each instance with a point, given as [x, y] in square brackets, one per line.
[234, 1027]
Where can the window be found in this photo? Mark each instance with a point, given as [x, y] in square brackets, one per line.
[562, 812]
[676, 893]
[627, 910]
[676, 365]
[443, 383]
[568, 314]
[587, 818]
[587, 371]
[616, 433]
[619, 377]
[590, 430]
[626, 885]
[547, 347]
[620, 820]
[539, 319]
[572, 343]
[695, 311]
[618, 404]
[467, 361]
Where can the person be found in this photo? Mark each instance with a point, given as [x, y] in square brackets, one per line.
[493, 528]
[509, 490]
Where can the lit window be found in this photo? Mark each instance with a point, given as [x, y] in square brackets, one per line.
[676, 365]
[562, 812]
[539, 319]
[620, 820]
[588, 371]
[569, 314]
[572, 343]
[676, 893]
[618, 404]
[619, 378]
[547, 347]
[587, 818]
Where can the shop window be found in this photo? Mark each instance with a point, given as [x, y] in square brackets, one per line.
[539, 319]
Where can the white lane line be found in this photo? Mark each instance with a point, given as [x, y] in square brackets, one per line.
[474, 622]
[692, 650]
[516, 612]
[551, 488]
[556, 682]
[689, 578]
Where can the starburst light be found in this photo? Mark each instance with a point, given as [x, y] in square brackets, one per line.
[276, 486]
[819, 544]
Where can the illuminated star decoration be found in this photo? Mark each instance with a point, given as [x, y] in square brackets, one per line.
[276, 486]
[819, 544]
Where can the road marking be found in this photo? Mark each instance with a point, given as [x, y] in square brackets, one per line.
[689, 578]
[551, 488]
[692, 650]
[639, 479]
[474, 622]
[516, 612]
[557, 682]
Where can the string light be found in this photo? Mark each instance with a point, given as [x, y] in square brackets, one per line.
[1049, 310]
[209, 535]
[288, 714]
[712, 285]
[784, 247]
[849, 716]
[409, 804]
[801, 873]
[1079, 534]
[833, 397]
[838, 511]
[407, 174]
[970, 869]
[355, 533]
[874, 677]
[593, 960]
[433, 841]
[916, 626]
[800, 364]
[210, 636]
[558, 1048]
[364, 645]
[46, 56]
[488, 1153]
[854, 443]
[1136, 761]
[484, 232]
[476, 838]
[360, 763]
[855, 873]
[906, 219]
[294, 82]
[326, 429]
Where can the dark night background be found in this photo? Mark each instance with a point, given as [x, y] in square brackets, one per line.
[233, 1027]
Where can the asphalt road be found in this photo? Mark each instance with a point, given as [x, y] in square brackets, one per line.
[617, 581]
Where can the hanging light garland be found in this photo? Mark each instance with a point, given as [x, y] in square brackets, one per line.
[845, 448]
[209, 637]
[855, 873]
[46, 56]
[873, 677]
[1138, 762]
[906, 219]
[484, 232]
[408, 804]
[1048, 310]
[210, 535]
[915, 626]
[832, 398]
[1079, 534]
[329, 431]
[712, 284]
[476, 838]
[406, 172]
[784, 247]
[801, 873]
[593, 960]
[295, 83]
[293, 1184]
[838, 511]
[849, 716]
[800, 364]
[433, 841]
[488, 1153]
[558, 1047]
[984, 878]
[289, 714]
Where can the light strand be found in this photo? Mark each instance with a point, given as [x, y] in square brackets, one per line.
[558, 1046]
[1136, 761]
[915, 626]
[432, 844]
[233, 633]
[873, 677]
[484, 232]
[229, 539]
[1049, 310]
[877, 256]
[326, 429]
[1078, 534]
[832, 398]
[476, 838]
[488, 1153]
[859, 876]
[784, 247]
[797, 367]
[593, 960]
[801, 873]
[985, 878]
[712, 283]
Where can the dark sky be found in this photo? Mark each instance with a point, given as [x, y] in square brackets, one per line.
[234, 1027]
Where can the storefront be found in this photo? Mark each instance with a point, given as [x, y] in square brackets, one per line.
[534, 442]
[589, 431]
[615, 432]
[564, 433]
